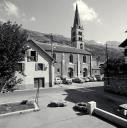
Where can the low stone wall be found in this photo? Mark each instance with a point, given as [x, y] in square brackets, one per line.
[117, 85]
[92, 109]
[111, 117]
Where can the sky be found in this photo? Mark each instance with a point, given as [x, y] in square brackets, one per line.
[103, 20]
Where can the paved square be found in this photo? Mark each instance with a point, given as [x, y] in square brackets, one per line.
[64, 117]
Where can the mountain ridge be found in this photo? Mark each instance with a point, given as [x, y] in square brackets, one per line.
[96, 49]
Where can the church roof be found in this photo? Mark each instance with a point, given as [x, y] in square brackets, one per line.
[59, 48]
[123, 44]
[77, 22]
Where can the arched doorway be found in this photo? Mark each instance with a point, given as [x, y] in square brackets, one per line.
[70, 72]
[84, 72]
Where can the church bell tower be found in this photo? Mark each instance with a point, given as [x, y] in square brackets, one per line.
[77, 39]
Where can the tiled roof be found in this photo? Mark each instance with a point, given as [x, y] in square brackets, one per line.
[59, 48]
[123, 44]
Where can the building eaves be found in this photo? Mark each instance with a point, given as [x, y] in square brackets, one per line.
[123, 44]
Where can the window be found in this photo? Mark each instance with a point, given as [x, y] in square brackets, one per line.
[71, 58]
[39, 66]
[80, 33]
[32, 56]
[73, 39]
[21, 67]
[81, 46]
[58, 70]
[84, 59]
[80, 38]
[54, 56]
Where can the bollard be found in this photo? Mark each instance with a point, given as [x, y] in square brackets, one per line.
[91, 106]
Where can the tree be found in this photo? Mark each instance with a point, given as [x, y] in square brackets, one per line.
[115, 67]
[12, 48]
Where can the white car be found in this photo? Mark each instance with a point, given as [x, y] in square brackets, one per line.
[122, 109]
[58, 80]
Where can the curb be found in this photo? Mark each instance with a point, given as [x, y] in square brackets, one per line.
[36, 108]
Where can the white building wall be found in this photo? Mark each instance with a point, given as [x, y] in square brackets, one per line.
[30, 73]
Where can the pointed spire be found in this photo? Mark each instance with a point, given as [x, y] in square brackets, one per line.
[77, 18]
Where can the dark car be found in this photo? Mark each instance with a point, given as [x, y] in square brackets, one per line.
[81, 106]
[98, 77]
[56, 104]
[67, 80]
[77, 80]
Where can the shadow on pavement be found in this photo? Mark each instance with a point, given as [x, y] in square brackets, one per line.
[96, 94]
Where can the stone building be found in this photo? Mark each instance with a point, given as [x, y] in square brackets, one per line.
[43, 61]
[70, 61]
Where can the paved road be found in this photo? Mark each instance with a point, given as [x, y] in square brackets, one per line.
[60, 117]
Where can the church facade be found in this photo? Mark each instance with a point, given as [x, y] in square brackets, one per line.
[71, 61]
[44, 62]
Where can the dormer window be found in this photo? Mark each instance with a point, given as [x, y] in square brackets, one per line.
[71, 58]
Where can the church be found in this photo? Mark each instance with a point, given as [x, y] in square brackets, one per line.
[70, 61]
[44, 62]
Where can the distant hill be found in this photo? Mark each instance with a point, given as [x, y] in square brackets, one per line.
[96, 49]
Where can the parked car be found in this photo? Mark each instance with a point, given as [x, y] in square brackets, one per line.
[58, 80]
[122, 110]
[81, 106]
[57, 104]
[98, 77]
[94, 78]
[91, 79]
[77, 80]
[86, 79]
[67, 80]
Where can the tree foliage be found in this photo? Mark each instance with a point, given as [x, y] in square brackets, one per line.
[12, 47]
[115, 67]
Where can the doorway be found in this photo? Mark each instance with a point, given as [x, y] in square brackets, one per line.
[84, 72]
[39, 82]
[70, 72]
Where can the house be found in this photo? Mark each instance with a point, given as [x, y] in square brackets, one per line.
[37, 68]
[96, 67]
[124, 45]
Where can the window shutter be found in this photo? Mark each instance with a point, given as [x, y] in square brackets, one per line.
[43, 67]
[36, 56]
[28, 55]
[36, 66]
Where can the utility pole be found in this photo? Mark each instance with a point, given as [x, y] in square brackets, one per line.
[51, 45]
[107, 64]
